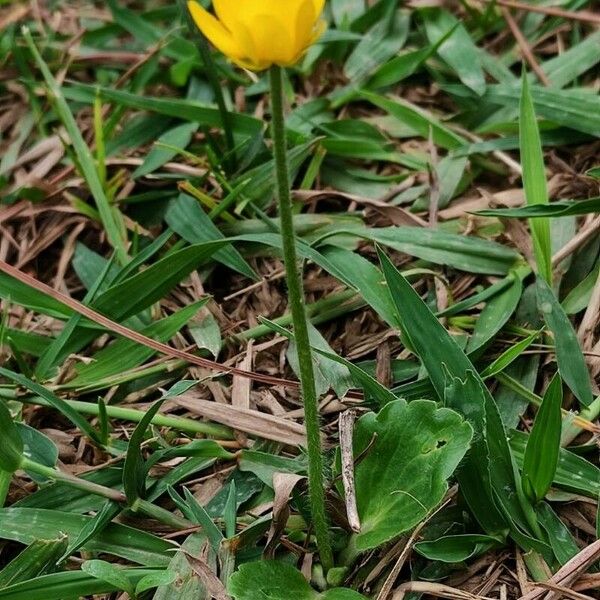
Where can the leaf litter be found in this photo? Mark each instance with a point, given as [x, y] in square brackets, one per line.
[349, 178]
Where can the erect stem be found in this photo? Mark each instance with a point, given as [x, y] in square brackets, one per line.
[296, 300]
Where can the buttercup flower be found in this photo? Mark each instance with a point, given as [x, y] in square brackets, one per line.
[257, 34]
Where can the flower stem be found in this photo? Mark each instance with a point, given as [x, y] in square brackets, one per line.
[299, 320]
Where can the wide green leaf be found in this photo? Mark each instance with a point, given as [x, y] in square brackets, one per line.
[278, 580]
[455, 548]
[447, 365]
[413, 450]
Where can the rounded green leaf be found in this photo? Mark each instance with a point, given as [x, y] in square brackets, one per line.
[278, 580]
[411, 451]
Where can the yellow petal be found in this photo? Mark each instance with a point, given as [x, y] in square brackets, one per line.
[319, 5]
[227, 11]
[272, 40]
[214, 30]
[305, 25]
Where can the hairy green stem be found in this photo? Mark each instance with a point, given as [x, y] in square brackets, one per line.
[300, 323]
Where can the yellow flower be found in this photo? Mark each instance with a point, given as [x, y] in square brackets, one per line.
[256, 34]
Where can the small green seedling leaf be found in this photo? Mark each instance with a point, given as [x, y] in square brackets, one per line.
[509, 356]
[543, 445]
[105, 571]
[37, 447]
[456, 548]
[409, 452]
[11, 449]
[154, 580]
[277, 580]
[194, 511]
[134, 470]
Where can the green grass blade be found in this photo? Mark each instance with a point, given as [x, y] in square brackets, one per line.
[11, 449]
[37, 559]
[569, 357]
[134, 470]
[54, 401]
[111, 222]
[534, 180]
[543, 445]
[26, 525]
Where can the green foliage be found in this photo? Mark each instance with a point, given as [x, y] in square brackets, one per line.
[534, 181]
[543, 445]
[39, 558]
[571, 363]
[11, 450]
[279, 581]
[154, 152]
[410, 451]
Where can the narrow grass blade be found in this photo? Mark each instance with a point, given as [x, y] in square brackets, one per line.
[543, 445]
[134, 470]
[569, 357]
[11, 449]
[37, 559]
[110, 219]
[25, 525]
[534, 180]
[54, 401]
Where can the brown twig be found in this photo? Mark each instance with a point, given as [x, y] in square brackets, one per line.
[581, 15]
[136, 336]
[524, 46]
[346, 426]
